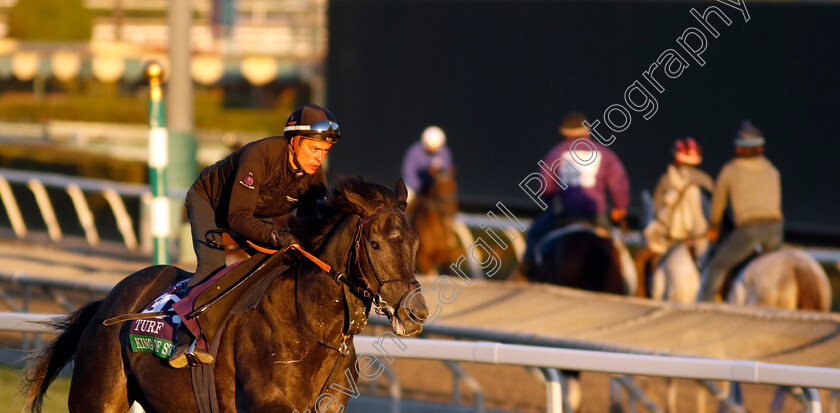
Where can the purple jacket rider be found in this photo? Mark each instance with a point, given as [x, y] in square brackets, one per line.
[587, 191]
[418, 161]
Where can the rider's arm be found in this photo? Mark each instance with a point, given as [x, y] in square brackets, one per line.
[410, 165]
[446, 156]
[703, 180]
[618, 183]
[719, 199]
[244, 191]
[552, 156]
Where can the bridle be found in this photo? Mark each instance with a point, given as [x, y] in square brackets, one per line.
[361, 286]
[381, 306]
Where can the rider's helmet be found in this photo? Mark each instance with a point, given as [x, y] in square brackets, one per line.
[313, 122]
[433, 138]
[749, 136]
[572, 125]
[688, 151]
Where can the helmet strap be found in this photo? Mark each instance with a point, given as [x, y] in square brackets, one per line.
[296, 169]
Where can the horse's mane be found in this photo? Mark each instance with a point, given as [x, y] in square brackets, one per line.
[350, 195]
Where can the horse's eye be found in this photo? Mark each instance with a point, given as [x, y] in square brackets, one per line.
[374, 245]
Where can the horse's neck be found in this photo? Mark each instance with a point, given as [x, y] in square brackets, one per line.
[320, 298]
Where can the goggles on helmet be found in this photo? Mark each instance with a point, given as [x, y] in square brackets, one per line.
[319, 127]
[324, 130]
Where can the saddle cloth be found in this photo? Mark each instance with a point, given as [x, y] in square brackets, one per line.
[157, 335]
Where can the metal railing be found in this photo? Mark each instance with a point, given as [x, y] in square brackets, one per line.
[550, 360]
[114, 193]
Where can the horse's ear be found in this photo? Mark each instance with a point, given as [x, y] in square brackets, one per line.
[402, 193]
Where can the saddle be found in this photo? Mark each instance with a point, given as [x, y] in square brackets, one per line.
[236, 289]
[736, 270]
[563, 228]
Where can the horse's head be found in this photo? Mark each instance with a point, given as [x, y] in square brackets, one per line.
[385, 247]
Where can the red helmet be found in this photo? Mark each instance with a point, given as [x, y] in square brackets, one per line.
[688, 151]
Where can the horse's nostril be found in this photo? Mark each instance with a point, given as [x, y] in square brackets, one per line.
[420, 313]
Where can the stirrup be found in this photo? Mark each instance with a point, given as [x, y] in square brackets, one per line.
[198, 355]
[192, 355]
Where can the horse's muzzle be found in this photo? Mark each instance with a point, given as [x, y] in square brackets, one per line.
[411, 313]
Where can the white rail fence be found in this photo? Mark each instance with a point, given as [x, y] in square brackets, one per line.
[116, 193]
[385, 348]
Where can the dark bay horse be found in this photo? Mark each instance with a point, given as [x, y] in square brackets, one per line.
[579, 255]
[432, 215]
[279, 356]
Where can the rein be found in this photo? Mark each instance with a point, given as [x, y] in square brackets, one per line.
[361, 289]
[381, 306]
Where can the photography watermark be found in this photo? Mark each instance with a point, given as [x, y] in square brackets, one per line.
[481, 253]
[638, 99]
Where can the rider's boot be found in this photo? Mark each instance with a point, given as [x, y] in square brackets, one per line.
[186, 352]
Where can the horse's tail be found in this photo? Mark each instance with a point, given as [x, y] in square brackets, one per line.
[47, 363]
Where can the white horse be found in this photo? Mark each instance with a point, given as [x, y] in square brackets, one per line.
[787, 278]
[679, 232]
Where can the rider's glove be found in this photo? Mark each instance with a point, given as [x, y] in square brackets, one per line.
[281, 239]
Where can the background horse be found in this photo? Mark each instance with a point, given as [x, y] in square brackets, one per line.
[676, 238]
[432, 215]
[786, 278]
[279, 356]
[578, 255]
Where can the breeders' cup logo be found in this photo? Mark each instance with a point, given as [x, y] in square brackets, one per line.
[248, 181]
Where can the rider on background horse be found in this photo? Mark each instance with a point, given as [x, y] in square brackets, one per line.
[425, 157]
[250, 190]
[679, 214]
[671, 195]
[585, 198]
[688, 155]
[752, 186]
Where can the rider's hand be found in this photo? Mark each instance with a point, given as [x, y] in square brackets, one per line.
[617, 214]
[713, 234]
[281, 238]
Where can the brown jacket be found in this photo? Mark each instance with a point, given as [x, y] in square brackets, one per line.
[753, 186]
[257, 181]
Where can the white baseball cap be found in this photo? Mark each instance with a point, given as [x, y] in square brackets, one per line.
[433, 138]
